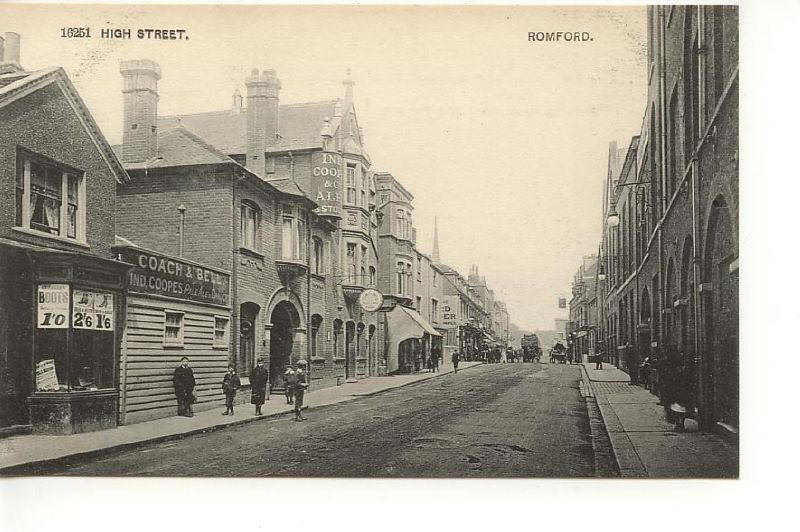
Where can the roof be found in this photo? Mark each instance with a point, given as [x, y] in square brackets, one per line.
[177, 146]
[19, 83]
[291, 188]
[299, 127]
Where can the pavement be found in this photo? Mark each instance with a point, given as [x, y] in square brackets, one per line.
[644, 444]
[24, 453]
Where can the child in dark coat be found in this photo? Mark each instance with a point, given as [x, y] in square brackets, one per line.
[230, 383]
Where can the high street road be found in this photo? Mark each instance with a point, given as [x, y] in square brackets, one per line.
[501, 420]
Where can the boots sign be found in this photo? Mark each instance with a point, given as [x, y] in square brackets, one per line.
[326, 183]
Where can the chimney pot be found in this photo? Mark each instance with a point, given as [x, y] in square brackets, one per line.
[11, 48]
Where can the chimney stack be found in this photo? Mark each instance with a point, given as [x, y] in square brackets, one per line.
[236, 108]
[140, 98]
[262, 117]
[9, 53]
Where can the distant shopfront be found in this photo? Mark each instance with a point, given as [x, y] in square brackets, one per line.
[175, 308]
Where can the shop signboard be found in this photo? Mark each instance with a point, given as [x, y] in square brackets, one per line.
[92, 310]
[449, 308]
[46, 375]
[370, 300]
[153, 273]
[52, 306]
[326, 183]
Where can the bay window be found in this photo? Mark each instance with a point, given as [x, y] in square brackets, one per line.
[351, 184]
[50, 198]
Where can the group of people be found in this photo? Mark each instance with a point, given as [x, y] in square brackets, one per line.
[672, 378]
[296, 379]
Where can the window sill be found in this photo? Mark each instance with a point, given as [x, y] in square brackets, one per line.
[40, 234]
[250, 252]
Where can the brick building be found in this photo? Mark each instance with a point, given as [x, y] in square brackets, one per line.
[670, 244]
[583, 339]
[61, 294]
[233, 189]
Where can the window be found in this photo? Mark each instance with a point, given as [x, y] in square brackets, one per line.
[363, 271]
[434, 310]
[249, 225]
[173, 328]
[435, 278]
[408, 278]
[351, 184]
[400, 278]
[672, 148]
[419, 303]
[364, 190]
[419, 269]
[401, 223]
[293, 234]
[50, 198]
[221, 331]
[384, 198]
[319, 255]
[351, 263]
[372, 276]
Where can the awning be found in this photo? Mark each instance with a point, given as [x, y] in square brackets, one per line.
[404, 323]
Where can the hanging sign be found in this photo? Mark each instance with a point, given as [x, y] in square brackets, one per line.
[92, 310]
[52, 306]
[370, 300]
[326, 183]
[46, 375]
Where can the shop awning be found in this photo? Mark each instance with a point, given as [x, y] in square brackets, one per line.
[489, 337]
[404, 323]
[419, 320]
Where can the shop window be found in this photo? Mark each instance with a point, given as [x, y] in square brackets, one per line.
[50, 198]
[221, 331]
[173, 328]
[78, 353]
[249, 225]
[293, 234]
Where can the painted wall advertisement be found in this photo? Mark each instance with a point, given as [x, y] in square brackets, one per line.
[326, 183]
[52, 306]
[92, 310]
[449, 309]
[157, 274]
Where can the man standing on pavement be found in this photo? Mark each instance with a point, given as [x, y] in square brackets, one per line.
[455, 360]
[300, 389]
[183, 380]
[258, 382]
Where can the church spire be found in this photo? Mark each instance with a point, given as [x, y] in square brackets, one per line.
[435, 254]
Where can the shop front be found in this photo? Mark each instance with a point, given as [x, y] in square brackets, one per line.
[410, 340]
[62, 327]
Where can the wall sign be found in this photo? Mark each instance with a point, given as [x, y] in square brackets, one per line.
[153, 273]
[326, 179]
[92, 310]
[52, 306]
[449, 309]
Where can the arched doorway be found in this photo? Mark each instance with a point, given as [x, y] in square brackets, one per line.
[350, 350]
[721, 306]
[645, 338]
[686, 314]
[248, 316]
[284, 320]
[669, 305]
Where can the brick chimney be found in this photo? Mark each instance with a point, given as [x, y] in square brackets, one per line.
[9, 52]
[262, 117]
[140, 97]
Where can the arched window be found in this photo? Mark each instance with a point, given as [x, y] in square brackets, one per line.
[372, 275]
[401, 275]
[249, 225]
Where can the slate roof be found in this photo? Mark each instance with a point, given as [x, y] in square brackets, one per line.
[299, 127]
[177, 146]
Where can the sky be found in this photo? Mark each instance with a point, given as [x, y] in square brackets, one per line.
[502, 140]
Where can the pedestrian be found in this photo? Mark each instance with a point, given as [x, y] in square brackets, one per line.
[230, 383]
[183, 381]
[435, 354]
[682, 394]
[289, 381]
[300, 389]
[258, 385]
[455, 358]
[598, 359]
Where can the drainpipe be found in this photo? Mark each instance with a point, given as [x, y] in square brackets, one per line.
[696, 273]
[662, 87]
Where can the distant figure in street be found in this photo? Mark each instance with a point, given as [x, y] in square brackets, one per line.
[183, 380]
[230, 383]
[455, 358]
[435, 354]
[289, 382]
[569, 356]
[598, 359]
[258, 385]
[301, 383]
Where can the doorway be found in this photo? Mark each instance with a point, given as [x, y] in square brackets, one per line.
[284, 320]
[248, 313]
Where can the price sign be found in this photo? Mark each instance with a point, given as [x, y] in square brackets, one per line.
[46, 378]
[52, 306]
[92, 310]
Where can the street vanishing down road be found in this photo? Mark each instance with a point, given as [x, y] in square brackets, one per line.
[501, 420]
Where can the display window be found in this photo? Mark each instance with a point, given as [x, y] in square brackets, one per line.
[74, 339]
